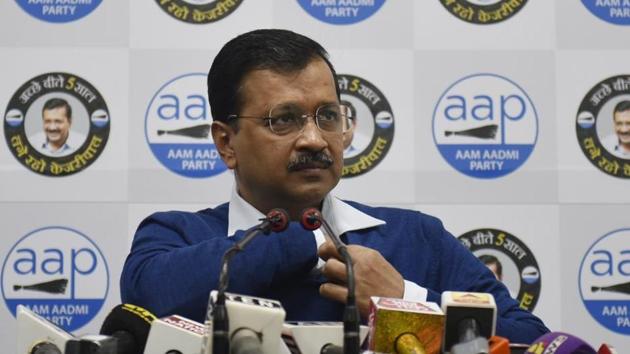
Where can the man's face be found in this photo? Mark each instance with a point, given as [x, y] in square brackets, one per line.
[267, 166]
[622, 127]
[56, 125]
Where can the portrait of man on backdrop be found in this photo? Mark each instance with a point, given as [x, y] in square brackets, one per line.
[56, 137]
[618, 142]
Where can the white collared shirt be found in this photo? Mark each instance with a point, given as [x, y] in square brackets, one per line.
[341, 217]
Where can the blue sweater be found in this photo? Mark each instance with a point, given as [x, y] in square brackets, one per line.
[175, 261]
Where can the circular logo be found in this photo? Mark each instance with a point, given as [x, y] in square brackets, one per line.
[604, 281]
[341, 12]
[616, 12]
[58, 11]
[603, 126]
[485, 125]
[374, 124]
[483, 12]
[199, 12]
[56, 124]
[177, 128]
[510, 260]
[57, 272]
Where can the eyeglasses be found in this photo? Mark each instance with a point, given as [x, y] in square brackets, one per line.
[289, 119]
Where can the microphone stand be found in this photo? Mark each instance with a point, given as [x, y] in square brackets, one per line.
[312, 219]
[276, 220]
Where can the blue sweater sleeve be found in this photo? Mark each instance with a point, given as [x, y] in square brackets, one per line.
[175, 262]
[459, 270]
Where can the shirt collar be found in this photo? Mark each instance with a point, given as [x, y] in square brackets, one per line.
[63, 148]
[341, 216]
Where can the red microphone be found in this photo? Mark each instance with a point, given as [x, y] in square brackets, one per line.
[311, 219]
[606, 349]
[278, 219]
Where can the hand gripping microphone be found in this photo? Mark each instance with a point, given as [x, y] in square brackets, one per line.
[276, 220]
[470, 322]
[311, 220]
[560, 343]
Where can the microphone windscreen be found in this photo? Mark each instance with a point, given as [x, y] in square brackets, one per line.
[311, 219]
[560, 343]
[131, 319]
[279, 219]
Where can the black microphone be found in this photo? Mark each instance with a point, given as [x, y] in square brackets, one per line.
[311, 220]
[276, 220]
[130, 325]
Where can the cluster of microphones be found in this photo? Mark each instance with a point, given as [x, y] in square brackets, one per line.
[238, 324]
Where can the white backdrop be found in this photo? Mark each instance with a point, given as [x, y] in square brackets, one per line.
[571, 214]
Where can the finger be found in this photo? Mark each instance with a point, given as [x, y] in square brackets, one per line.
[327, 250]
[335, 271]
[334, 292]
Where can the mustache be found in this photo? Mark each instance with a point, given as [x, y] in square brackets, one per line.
[308, 159]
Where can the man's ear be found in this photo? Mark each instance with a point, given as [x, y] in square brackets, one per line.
[223, 136]
[349, 133]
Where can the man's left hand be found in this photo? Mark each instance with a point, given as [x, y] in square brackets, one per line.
[374, 276]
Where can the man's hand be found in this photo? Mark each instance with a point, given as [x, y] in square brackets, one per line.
[374, 276]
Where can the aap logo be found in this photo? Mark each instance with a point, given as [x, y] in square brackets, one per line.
[485, 125]
[58, 11]
[604, 280]
[57, 272]
[341, 12]
[616, 12]
[177, 128]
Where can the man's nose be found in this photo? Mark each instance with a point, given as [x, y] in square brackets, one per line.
[311, 136]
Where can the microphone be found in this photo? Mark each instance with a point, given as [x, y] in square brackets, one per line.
[175, 334]
[93, 344]
[276, 220]
[130, 325]
[311, 220]
[255, 325]
[404, 327]
[560, 343]
[316, 337]
[470, 322]
[606, 349]
[36, 335]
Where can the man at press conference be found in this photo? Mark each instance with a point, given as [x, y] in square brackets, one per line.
[278, 124]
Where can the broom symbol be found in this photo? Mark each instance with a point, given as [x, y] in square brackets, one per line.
[201, 131]
[484, 132]
[57, 286]
[623, 288]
